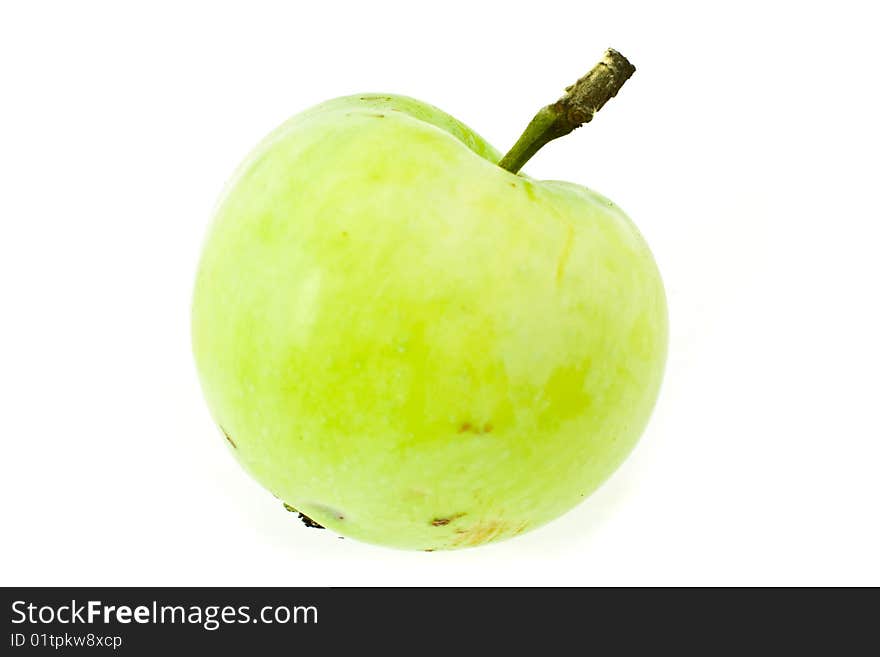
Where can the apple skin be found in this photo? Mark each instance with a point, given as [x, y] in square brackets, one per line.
[413, 346]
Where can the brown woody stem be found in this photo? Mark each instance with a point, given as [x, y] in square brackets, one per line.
[582, 100]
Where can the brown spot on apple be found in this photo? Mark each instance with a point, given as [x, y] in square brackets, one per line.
[441, 522]
[483, 532]
[228, 438]
[308, 522]
[471, 427]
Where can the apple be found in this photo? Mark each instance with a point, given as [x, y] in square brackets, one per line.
[412, 344]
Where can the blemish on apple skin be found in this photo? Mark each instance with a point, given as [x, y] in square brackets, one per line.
[483, 532]
[467, 427]
[226, 435]
[328, 510]
[376, 98]
[441, 522]
[308, 522]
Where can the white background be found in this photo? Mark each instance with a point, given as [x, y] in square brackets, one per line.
[745, 148]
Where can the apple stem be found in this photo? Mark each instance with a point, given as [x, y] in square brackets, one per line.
[578, 106]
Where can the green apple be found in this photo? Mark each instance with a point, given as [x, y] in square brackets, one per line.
[414, 346]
